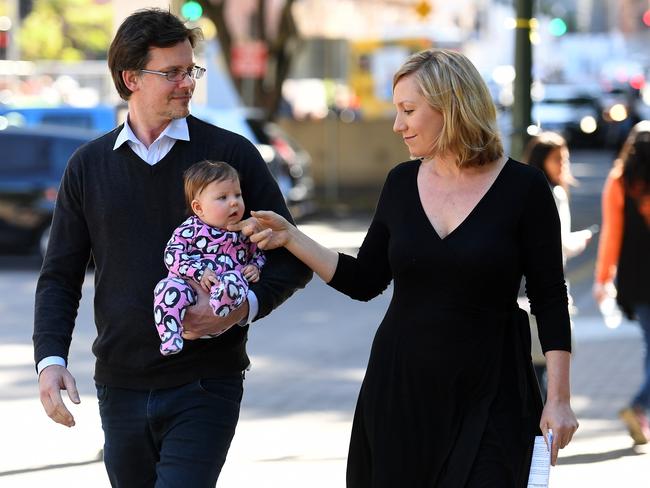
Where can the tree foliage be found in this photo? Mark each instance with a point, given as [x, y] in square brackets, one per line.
[66, 29]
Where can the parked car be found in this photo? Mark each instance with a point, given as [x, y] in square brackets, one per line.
[572, 110]
[34, 157]
[101, 117]
[32, 163]
[289, 163]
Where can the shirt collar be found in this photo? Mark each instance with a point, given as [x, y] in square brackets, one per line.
[177, 130]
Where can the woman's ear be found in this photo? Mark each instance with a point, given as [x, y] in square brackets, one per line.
[131, 79]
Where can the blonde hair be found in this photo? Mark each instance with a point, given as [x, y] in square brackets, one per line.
[452, 85]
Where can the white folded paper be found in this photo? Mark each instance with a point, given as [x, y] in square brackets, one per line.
[540, 466]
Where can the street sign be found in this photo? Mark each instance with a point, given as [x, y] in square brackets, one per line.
[249, 59]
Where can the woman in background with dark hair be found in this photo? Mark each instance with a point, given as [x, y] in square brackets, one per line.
[548, 151]
[624, 254]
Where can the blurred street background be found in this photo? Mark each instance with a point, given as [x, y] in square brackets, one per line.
[309, 83]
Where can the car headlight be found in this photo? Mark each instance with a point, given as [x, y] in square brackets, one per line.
[588, 124]
[618, 112]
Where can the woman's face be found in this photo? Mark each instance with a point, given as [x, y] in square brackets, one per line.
[418, 123]
[556, 165]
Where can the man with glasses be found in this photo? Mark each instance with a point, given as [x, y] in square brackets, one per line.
[168, 421]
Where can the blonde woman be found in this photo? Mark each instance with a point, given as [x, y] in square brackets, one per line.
[448, 399]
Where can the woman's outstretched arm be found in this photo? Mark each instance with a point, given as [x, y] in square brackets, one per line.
[269, 231]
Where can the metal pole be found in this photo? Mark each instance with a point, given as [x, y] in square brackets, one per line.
[521, 117]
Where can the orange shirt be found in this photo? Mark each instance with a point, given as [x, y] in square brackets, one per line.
[611, 238]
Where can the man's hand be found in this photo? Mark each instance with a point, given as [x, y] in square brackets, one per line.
[251, 273]
[51, 381]
[200, 319]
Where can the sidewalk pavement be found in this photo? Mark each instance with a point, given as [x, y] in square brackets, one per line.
[308, 449]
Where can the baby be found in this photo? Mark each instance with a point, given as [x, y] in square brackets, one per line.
[202, 250]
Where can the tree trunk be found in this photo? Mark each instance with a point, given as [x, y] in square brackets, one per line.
[268, 90]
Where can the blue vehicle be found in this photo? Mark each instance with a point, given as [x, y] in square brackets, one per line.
[31, 164]
[101, 118]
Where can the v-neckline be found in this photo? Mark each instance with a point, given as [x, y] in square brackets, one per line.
[470, 213]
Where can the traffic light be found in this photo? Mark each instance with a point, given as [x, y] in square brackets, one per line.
[423, 9]
[646, 18]
[557, 27]
[192, 10]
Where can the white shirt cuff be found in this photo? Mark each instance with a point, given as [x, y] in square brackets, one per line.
[49, 361]
[253, 308]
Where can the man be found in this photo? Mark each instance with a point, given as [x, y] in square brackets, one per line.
[168, 421]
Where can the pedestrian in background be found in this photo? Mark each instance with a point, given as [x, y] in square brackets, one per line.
[447, 398]
[623, 264]
[548, 152]
[167, 421]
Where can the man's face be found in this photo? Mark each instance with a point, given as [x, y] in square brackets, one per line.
[158, 97]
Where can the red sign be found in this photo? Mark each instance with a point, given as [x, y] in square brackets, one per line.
[249, 59]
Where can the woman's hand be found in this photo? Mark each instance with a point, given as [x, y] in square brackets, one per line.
[559, 417]
[601, 291]
[265, 228]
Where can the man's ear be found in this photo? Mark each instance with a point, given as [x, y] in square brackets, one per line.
[131, 79]
[196, 207]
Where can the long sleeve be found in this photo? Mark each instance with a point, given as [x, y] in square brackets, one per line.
[257, 256]
[59, 286]
[542, 265]
[611, 237]
[178, 258]
[573, 243]
[367, 275]
[283, 273]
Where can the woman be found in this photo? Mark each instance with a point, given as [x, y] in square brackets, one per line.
[446, 400]
[623, 252]
[548, 152]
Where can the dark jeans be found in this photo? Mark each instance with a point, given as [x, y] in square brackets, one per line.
[173, 437]
[642, 397]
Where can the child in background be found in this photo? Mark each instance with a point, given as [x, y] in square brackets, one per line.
[203, 251]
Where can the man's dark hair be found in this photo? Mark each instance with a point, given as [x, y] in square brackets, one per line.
[140, 31]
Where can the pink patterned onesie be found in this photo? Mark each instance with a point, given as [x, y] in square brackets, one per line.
[193, 247]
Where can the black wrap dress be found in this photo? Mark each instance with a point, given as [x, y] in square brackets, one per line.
[450, 367]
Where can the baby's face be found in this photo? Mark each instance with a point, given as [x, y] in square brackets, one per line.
[220, 203]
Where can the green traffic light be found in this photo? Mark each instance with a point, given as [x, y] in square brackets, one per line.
[192, 10]
[557, 27]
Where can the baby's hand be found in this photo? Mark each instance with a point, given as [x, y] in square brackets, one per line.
[208, 279]
[251, 273]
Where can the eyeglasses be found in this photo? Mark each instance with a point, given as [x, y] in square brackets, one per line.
[177, 75]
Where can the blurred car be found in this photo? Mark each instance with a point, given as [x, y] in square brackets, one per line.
[572, 110]
[32, 163]
[619, 114]
[288, 162]
[34, 157]
[101, 117]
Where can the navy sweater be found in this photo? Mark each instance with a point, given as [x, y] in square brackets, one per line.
[122, 210]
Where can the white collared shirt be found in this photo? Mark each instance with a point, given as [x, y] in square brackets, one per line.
[176, 131]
